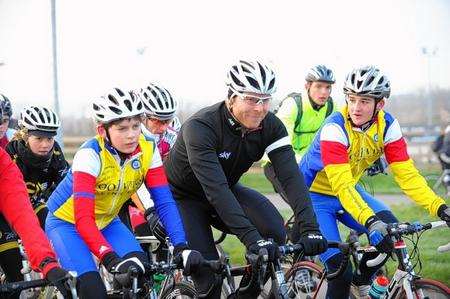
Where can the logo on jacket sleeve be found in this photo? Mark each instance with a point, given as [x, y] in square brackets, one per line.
[225, 155]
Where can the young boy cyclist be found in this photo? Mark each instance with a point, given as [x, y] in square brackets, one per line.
[346, 145]
[106, 171]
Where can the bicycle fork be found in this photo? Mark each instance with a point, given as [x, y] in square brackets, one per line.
[404, 275]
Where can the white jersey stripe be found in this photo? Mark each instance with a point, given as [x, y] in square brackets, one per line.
[333, 132]
[393, 133]
[88, 161]
[277, 144]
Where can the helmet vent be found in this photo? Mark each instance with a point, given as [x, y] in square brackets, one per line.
[358, 84]
[113, 99]
[127, 103]
[253, 82]
[119, 92]
[370, 80]
[272, 83]
[263, 73]
[115, 110]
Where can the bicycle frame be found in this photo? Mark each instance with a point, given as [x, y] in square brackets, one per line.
[404, 275]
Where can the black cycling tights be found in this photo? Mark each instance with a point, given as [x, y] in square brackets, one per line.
[10, 257]
[90, 285]
[198, 216]
[11, 263]
[340, 287]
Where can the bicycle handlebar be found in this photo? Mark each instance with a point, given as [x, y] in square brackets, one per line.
[399, 229]
[17, 287]
[13, 287]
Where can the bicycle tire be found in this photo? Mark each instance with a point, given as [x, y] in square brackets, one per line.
[181, 290]
[302, 290]
[432, 289]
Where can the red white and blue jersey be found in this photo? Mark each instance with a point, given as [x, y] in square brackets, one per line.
[101, 181]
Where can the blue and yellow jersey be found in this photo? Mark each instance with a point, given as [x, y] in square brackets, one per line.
[340, 153]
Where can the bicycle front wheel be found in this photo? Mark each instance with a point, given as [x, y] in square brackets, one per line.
[427, 288]
[181, 290]
[304, 280]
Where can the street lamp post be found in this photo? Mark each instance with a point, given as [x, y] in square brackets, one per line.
[55, 71]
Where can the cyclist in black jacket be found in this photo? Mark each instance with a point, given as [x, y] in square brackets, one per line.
[214, 149]
[38, 155]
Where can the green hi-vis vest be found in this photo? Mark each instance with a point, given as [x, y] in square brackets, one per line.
[307, 121]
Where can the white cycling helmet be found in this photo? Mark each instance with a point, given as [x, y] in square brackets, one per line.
[39, 119]
[251, 76]
[116, 104]
[367, 81]
[158, 102]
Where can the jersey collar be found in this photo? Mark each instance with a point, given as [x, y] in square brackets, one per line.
[232, 122]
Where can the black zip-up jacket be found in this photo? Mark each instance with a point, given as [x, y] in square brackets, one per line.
[213, 151]
[41, 174]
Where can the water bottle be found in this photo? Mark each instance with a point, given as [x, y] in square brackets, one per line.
[379, 287]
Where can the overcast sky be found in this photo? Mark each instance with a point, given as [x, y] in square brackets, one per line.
[188, 46]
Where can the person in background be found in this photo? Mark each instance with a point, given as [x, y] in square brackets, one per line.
[302, 114]
[160, 109]
[443, 152]
[38, 155]
[17, 216]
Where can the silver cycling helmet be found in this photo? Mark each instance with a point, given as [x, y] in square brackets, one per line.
[38, 118]
[158, 102]
[251, 76]
[5, 103]
[320, 73]
[367, 81]
[116, 104]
